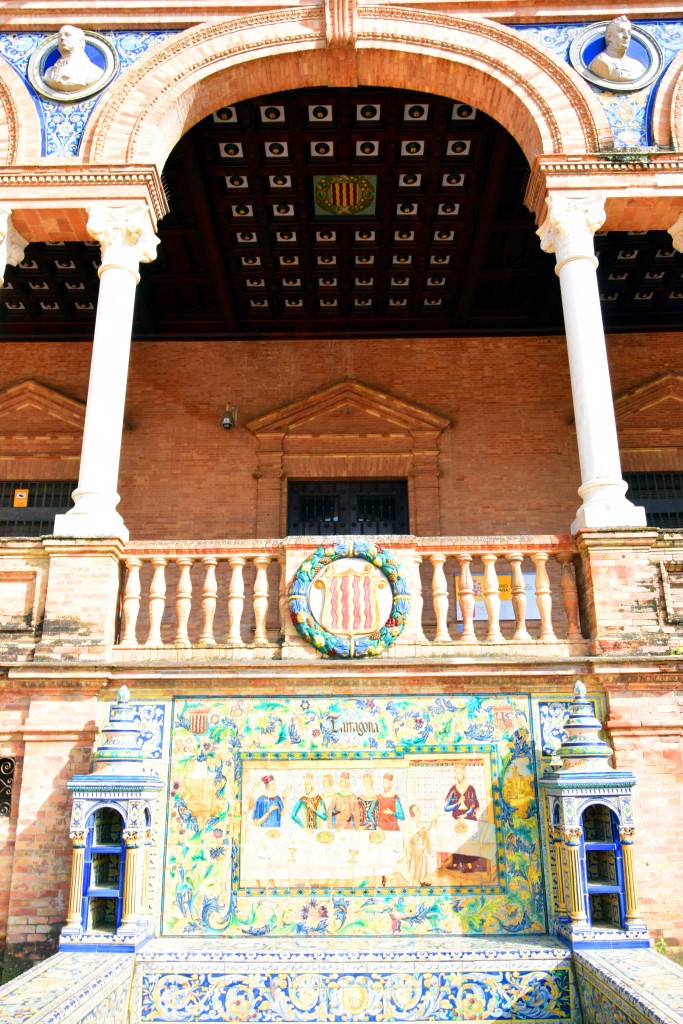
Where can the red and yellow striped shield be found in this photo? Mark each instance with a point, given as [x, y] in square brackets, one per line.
[350, 606]
[344, 193]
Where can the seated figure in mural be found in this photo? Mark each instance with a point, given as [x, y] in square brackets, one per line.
[368, 803]
[73, 70]
[389, 809]
[344, 808]
[269, 806]
[462, 802]
[309, 810]
[613, 64]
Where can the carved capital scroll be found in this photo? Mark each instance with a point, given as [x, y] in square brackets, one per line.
[569, 226]
[12, 244]
[126, 236]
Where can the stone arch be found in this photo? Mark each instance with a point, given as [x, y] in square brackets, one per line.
[20, 131]
[542, 102]
[667, 114]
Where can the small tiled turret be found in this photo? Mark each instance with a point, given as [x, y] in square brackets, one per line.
[591, 836]
[113, 821]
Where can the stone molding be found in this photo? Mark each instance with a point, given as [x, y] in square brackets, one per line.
[340, 22]
[625, 179]
[550, 108]
[37, 192]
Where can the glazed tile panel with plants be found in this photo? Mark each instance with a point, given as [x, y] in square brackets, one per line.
[352, 816]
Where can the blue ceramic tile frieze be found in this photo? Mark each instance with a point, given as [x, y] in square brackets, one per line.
[63, 124]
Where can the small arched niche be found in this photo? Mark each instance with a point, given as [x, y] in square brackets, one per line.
[602, 868]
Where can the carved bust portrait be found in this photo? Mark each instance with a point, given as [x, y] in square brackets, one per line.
[613, 64]
[73, 70]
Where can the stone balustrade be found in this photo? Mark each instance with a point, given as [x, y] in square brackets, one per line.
[230, 599]
[471, 597]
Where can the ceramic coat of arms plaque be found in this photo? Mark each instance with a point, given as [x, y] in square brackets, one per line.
[349, 600]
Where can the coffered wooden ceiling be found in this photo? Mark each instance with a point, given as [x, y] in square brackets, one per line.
[418, 228]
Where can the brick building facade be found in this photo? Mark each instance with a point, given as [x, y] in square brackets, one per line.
[491, 415]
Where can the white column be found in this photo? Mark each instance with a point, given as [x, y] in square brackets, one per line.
[568, 232]
[676, 232]
[12, 244]
[127, 238]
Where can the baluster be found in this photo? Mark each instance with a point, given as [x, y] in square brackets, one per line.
[466, 599]
[570, 595]
[416, 602]
[209, 596]
[492, 599]
[521, 634]
[183, 601]
[131, 603]
[157, 602]
[261, 600]
[235, 601]
[440, 599]
[282, 600]
[543, 597]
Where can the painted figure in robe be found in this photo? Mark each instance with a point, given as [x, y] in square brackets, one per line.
[309, 810]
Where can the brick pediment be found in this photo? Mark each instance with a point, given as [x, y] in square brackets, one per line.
[32, 412]
[348, 431]
[348, 409]
[657, 404]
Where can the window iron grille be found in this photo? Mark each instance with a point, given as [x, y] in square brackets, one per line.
[661, 494]
[7, 766]
[35, 517]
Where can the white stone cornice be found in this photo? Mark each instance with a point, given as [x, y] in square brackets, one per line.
[125, 234]
[676, 232]
[569, 226]
[12, 244]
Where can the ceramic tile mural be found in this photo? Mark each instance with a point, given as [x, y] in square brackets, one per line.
[421, 980]
[71, 988]
[352, 816]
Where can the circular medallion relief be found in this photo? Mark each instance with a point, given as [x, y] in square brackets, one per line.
[72, 65]
[349, 600]
[616, 55]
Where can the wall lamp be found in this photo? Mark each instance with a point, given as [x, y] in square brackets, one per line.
[229, 417]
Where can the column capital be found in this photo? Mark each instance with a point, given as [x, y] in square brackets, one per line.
[569, 226]
[12, 244]
[676, 232]
[126, 236]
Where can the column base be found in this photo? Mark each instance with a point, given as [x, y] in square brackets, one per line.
[581, 935]
[93, 515]
[605, 506]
